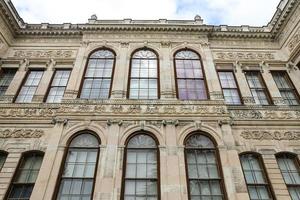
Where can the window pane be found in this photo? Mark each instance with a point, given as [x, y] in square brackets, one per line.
[229, 87]
[6, 76]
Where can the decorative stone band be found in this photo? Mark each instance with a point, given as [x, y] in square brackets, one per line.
[271, 135]
[43, 54]
[244, 56]
[294, 42]
[21, 133]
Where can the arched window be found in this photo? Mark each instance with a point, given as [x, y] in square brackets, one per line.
[3, 156]
[25, 176]
[77, 179]
[255, 177]
[290, 170]
[98, 76]
[141, 179]
[190, 80]
[203, 171]
[144, 79]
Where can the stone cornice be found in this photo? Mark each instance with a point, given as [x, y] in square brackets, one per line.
[163, 25]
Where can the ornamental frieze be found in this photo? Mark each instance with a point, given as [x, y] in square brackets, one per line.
[271, 135]
[264, 115]
[21, 133]
[293, 43]
[244, 56]
[43, 54]
[27, 112]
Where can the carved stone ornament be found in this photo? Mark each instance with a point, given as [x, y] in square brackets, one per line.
[264, 115]
[294, 42]
[244, 56]
[27, 112]
[21, 133]
[44, 54]
[271, 135]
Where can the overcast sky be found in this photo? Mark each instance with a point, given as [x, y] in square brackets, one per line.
[231, 12]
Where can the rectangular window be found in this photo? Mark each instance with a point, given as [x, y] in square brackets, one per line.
[29, 88]
[6, 76]
[229, 87]
[258, 88]
[286, 88]
[58, 86]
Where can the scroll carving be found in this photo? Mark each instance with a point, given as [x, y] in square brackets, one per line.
[44, 54]
[21, 133]
[271, 135]
[244, 56]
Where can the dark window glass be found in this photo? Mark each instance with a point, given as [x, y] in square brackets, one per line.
[58, 86]
[258, 88]
[255, 177]
[286, 88]
[229, 87]
[204, 178]
[25, 177]
[3, 157]
[98, 76]
[78, 176]
[28, 89]
[6, 76]
[290, 171]
[144, 75]
[141, 176]
[189, 76]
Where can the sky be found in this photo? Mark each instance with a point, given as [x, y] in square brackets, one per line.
[216, 12]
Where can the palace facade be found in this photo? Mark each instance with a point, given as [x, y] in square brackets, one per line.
[150, 109]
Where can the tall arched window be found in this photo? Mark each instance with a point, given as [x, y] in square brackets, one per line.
[256, 177]
[203, 171]
[77, 179]
[290, 170]
[141, 179]
[190, 80]
[25, 176]
[144, 79]
[98, 76]
[3, 156]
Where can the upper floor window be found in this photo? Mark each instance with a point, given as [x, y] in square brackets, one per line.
[58, 86]
[25, 177]
[290, 170]
[286, 88]
[78, 177]
[229, 87]
[98, 76]
[6, 76]
[255, 176]
[190, 78]
[29, 87]
[144, 79]
[141, 179]
[203, 171]
[258, 88]
[3, 156]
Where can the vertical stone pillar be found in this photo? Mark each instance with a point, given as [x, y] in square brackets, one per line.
[171, 185]
[75, 79]
[16, 83]
[7, 171]
[53, 160]
[271, 85]
[167, 73]
[243, 85]
[120, 79]
[213, 84]
[105, 187]
[275, 176]
[45, 82]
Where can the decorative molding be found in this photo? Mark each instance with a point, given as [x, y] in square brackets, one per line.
[43, 54]
[248, 100]
[21, 133]
[271, 135]
[294, 42]
[255, 114]
[234, 56]
[27, 112]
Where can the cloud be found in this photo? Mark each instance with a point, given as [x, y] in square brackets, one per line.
[231, 12]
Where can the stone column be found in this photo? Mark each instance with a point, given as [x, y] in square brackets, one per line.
[52, 162]
[275, 176]
[45, 82]
[271, 85]
[243, 85]
[16, 83]
[167, 73]
[8, 170]
[75, 79]
[120, 79]
[212, 80]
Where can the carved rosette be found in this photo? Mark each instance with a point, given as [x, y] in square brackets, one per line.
[21, 133]
[271, 135]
